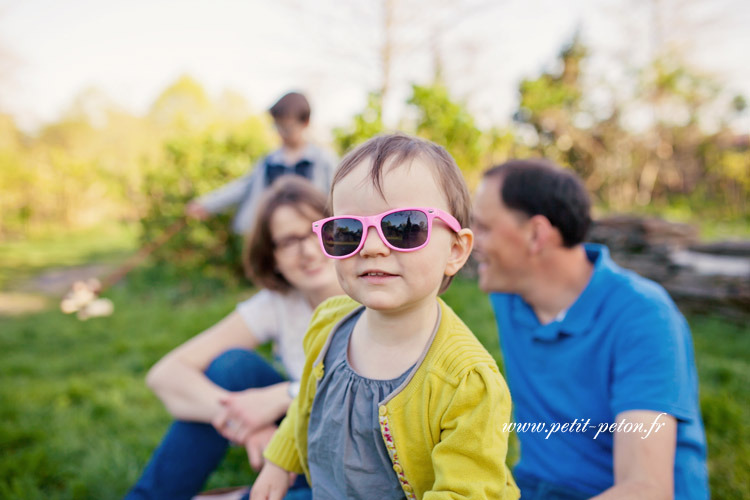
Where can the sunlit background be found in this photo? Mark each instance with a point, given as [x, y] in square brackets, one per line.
[54, 52]
[113, 115]
[104, 84]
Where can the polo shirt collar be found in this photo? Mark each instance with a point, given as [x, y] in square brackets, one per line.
[582, 313]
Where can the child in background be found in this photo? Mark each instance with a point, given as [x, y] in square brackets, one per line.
[291, 116]
[398, 398]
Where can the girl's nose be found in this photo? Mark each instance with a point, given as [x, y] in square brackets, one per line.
[373, 245]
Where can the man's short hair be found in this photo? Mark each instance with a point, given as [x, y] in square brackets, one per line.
[292, 104]
[388, 151]
[539, 187]
[258, 255]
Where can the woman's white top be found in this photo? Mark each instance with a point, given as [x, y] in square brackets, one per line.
[281, 318]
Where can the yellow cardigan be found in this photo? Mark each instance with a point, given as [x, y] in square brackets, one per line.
[443, 430]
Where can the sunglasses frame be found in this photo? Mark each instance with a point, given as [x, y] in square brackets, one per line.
[376, 222]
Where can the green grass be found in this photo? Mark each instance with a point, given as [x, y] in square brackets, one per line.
[79, 422]
[19, 260]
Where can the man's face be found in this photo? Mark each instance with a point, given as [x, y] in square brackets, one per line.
[500, 241]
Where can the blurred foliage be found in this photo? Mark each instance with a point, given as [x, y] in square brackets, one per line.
[193, 165]
[99, 164]
[448, 123]
[209, 144]
[658, 141]
[665, 140]
[105, 245]
[78, 172]
[435, 115]
[92, 166]
[364, 125]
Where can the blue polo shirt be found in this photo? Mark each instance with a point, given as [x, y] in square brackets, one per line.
[623, 345]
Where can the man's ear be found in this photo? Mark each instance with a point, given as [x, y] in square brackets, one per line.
[461, 247]
[541, 233]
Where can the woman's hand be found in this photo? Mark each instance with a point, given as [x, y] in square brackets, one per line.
[179, 379]
[256, 443]
[272, 483]
[245, 412]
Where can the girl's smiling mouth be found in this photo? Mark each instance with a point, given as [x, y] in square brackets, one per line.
[377, 276]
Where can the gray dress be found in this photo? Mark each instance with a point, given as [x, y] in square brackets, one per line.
[346, 453]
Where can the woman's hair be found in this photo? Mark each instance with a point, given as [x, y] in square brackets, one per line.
[391, 150]
[258, 255]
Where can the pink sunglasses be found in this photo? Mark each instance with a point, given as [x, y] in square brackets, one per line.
[402, 229]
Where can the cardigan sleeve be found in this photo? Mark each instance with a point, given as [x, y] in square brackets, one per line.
[282, 450]
[469, 460]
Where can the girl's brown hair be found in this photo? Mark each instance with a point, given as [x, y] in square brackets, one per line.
[258, 255]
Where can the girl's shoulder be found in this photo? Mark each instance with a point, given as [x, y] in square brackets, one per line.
[326, 316]
[335, 307]
[455, 350]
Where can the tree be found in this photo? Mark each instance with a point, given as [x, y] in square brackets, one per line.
[652, 148]
[435, 115]
[448, 123]
[99, 163]
[182, 105]
[194, 164]
[16, 181]
[364, 125]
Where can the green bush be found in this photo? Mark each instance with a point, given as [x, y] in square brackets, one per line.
[195, 165]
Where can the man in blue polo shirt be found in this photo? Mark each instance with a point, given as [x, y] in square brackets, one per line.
[598, 359]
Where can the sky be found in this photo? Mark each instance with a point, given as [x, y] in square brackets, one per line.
[52, 50]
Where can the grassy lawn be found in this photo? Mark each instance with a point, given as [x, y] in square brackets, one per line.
[78, 421]
[20, 260]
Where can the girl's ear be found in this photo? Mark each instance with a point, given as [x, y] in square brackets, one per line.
[461, 247]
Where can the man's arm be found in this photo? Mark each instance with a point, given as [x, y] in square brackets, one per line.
[643, 461]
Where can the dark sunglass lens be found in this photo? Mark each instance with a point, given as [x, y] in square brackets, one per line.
[341, 236]
[405, 229]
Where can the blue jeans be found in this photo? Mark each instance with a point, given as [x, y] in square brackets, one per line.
[535, 489]
[191, 451]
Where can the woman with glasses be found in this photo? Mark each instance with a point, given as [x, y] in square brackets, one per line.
[218, 389]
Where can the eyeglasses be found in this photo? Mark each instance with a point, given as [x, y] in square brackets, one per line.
[291, 243]
[402, 229]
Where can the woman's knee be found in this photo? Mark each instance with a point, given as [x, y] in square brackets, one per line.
[240, 369]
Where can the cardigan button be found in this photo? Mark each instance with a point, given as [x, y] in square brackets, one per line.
[408, 488]
[398, 469]
[383, 411]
